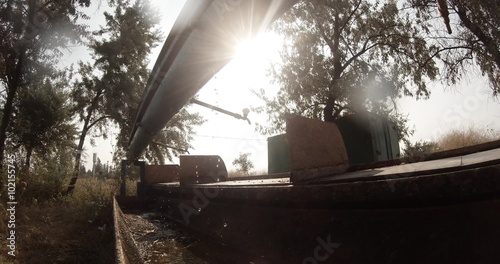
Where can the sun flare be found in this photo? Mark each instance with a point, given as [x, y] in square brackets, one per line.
[258, 52]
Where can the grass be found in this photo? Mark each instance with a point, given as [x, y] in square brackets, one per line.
[66, 229]
[453, 139]
[464, 138]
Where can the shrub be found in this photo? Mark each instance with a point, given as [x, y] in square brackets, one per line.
[420, 149]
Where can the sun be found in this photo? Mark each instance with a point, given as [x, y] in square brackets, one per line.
[232, 88]
[255, 53]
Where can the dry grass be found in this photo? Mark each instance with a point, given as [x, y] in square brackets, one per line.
[463, 138]
[72, 229]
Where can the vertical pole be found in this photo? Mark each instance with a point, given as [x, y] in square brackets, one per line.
[123, 186]
[141, 188]
[94, 159]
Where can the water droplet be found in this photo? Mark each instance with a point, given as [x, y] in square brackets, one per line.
[199, 209]
[225, 225]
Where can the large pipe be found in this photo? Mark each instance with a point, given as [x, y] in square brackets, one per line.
[201, 42]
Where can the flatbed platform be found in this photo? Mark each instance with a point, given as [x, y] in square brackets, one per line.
[445, 210]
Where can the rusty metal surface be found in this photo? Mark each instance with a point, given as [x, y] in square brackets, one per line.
[316, 148]
[480, 159]
[202, 169]
[162, 173]
[448, 217]
[444, 188]
[432, 156]
[452, 217]
[125, 247]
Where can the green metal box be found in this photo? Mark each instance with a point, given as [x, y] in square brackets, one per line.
[369, 138]
[278, 158]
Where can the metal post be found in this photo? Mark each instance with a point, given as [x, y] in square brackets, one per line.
[141, 187]
[123, 186]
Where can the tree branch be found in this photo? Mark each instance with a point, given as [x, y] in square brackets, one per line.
[327, 39]
[97, 121]
[361, 52]
[351, 14]
[441, 50]
[488, 42]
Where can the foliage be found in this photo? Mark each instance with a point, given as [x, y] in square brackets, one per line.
[47, 178]
[43, 118]
[459, 138]
[33, 33]
[475, 39]
[69, 229]
[419, 149]
[110, 89]
[243, 163]
[341, 57]
[178, 132]
[456, 138]
[105, 90]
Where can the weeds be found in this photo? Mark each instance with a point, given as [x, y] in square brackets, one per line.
[464, 138]
[452, 140]
[65, 229]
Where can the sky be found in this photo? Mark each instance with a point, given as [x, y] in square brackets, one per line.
[469, 103]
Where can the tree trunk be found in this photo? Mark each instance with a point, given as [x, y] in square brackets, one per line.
[329, 114]
[78, 157]
[86, 128]
[8, 107]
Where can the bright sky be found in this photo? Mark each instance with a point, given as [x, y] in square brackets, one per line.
[468, 104]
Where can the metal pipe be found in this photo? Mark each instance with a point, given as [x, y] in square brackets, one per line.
[201, 42]
[218, 109]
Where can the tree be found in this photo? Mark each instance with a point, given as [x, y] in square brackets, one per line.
[33, 34]
[109, 90]
[105, 90]
[244, 163]
[475, 39]
[43, 118]
[347, 56]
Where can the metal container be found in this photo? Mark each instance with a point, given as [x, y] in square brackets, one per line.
[369, 138]
[278, 157]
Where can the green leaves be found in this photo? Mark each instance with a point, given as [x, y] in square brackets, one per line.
[243, 163]
[110, 89]
[346, 56]
[475, 41]
[42, 123]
